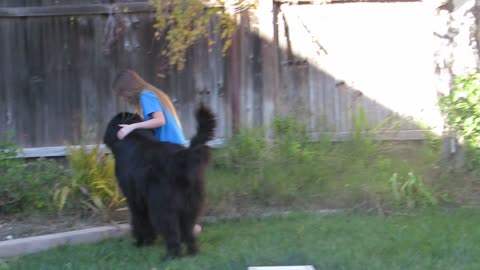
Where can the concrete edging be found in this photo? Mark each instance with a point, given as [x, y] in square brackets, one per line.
[29, 245]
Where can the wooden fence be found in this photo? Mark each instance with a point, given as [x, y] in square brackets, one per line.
[319, 63]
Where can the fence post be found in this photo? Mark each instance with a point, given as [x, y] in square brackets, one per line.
[235, 77]
[268, 34]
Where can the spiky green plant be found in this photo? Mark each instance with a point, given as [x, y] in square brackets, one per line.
[92, 180]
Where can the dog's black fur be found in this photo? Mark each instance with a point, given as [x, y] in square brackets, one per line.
[162, 182]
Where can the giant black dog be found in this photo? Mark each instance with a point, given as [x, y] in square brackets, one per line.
[162, 182]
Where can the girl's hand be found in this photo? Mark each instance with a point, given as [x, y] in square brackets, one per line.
[124, 131]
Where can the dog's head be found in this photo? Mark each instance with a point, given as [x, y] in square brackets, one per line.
[113, 127]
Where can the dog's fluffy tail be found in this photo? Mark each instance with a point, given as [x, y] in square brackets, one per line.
[206, 124]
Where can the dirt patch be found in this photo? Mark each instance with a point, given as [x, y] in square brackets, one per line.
[21, 226]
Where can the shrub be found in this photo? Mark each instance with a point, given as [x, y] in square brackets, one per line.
[462, 114]
[410, 191]
[91, 183]
[292, 170]
[247, 150]
[26, 186]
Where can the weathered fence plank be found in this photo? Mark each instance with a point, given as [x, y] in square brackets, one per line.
[58, 61]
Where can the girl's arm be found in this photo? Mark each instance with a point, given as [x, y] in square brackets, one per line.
[158, 120]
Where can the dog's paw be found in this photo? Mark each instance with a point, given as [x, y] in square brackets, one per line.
[144, 243]
[167, 258]
[171, 256]
[192, 250]
[138, 243]
[148, 242]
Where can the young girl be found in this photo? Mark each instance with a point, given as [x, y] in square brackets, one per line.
[154, 106]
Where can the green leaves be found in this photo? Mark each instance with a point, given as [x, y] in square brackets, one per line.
[25, 186]
[411, 191]
[91, 182]
[183, 23]
[462, 113]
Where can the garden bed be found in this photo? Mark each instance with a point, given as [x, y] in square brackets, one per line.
[21, 226]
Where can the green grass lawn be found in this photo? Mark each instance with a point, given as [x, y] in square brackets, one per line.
[434, 239]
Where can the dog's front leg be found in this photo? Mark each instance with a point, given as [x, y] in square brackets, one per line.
[172, 239]
[142, 229]
[167, 225]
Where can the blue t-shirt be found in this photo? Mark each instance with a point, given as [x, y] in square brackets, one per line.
[170, 132]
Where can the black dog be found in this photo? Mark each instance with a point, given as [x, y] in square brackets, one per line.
[162, 182]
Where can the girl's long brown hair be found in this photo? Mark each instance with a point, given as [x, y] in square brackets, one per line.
[128, 81]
